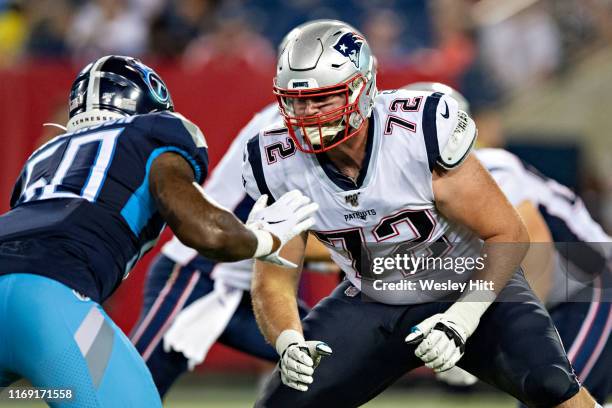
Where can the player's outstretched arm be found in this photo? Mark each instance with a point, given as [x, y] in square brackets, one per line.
[469, 196]
[274, 294]
[215, 232]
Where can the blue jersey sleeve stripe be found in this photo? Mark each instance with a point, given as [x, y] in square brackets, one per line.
[256, 165]
[430, 130]
[140, 207]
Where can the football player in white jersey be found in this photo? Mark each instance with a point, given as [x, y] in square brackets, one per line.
[574, 281]
[577, 292]
[392, 168]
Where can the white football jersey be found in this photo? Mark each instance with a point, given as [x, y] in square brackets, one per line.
[564, 212]
[520, 183]
[391, 202]
[224, 186]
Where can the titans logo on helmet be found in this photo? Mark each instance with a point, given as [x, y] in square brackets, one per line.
[349, 45]
[154, 82]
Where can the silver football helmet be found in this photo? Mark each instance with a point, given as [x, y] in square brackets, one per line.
[320, 59]
[464, 105]
[295, 30]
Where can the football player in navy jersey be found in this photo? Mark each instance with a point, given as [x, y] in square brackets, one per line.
[87, 205]
[189, 301]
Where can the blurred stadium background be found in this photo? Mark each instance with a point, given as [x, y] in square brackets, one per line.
[538, 74]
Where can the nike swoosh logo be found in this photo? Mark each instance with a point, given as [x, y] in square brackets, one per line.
[276, 222]
[445, 115]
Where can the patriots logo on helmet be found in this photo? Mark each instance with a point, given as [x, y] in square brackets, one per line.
[349, 45]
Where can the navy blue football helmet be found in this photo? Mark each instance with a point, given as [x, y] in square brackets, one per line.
[113, 87]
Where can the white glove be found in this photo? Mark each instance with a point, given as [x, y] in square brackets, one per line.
[442, 342]
[286, 218]
[442, 336]
[299, 358]
[457, 377]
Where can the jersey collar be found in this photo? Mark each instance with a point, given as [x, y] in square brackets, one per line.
[342, 181]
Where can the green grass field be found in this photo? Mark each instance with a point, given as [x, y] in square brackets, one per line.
[393, 398]
[231, 398]
[240, 392]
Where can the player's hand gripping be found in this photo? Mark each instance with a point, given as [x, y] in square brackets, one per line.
[299, 358]
[441, 341]
[283, 220]
[442, 336]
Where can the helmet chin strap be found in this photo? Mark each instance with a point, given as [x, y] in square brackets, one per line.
[329, 133]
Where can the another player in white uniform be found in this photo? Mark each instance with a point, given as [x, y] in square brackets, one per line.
[391, 169]
[574, 280]
[577, 292]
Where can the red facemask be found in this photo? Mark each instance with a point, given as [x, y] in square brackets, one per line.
[323, 131]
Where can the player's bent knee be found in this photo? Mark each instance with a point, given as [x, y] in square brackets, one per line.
[549, 385]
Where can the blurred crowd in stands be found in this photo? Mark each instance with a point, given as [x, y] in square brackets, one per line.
[488, 49]
[517, 41]
[503, 45]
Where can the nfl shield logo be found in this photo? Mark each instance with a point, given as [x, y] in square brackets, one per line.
[349, 45]
[352, 199]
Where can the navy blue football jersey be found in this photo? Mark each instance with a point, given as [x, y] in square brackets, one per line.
[81, 211]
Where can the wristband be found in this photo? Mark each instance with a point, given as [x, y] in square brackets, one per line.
[287, 338]
[264, 243]
[469, 308]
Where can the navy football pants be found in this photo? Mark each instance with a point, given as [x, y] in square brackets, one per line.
[585, 329]
[515, 348]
